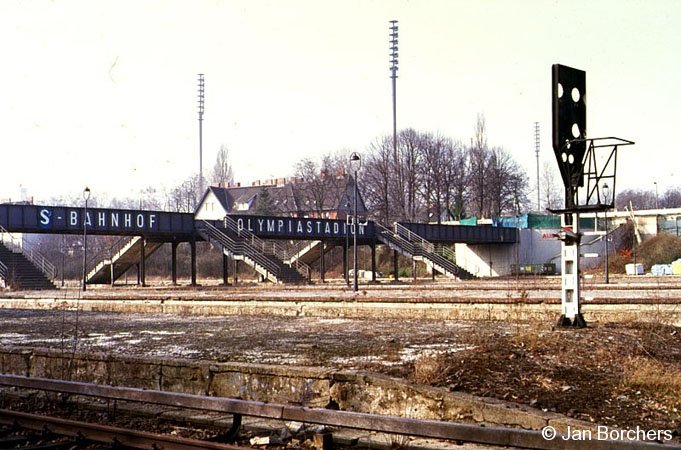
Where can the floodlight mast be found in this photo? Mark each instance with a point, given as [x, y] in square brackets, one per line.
[201, 93]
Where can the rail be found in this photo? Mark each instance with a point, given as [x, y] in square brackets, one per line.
[266, 247]
[107, 253]
[240, 248]
[414, 238]
[490, 435]
[446, 252]
[18, 245]
[84, 433]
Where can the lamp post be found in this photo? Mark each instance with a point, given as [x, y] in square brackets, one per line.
[355, 164]
[656, 202]
[606, 192]
[86, 196]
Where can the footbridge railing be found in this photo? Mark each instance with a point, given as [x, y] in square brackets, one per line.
[29, 250]
[270, 248]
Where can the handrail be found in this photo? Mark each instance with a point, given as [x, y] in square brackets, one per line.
[17, 245]
[446, 252]
[266, 247]
[108, 253]
[242, 248]
[409, 235]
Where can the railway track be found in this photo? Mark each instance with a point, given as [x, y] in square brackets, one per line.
[30, 431]
[458, 432]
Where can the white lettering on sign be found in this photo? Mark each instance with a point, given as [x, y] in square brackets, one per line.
[127, 220]
[152, 219]
[114, 219]
[140, 221]
[102, 219]
[88, 219]
[73, 218]
[44, 217]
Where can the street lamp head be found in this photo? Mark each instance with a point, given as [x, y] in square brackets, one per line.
[606, 191]
[355, 161]
[86, 193]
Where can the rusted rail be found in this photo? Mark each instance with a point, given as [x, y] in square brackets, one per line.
[104, 434]
[510, 437]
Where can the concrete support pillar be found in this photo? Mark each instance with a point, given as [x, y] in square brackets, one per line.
[192, 246]
[235, 272]
[373, 262]
[225, 269]
[322, 265]
[173, 261]
[142, 265]
[345, 264]
[396, 275]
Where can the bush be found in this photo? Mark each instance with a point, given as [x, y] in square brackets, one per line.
[662, 249]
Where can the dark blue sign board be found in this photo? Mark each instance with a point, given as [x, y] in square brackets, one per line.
[102, 221]
[169, 226]
[301, 228]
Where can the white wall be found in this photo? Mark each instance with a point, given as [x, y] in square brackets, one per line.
[210, 208]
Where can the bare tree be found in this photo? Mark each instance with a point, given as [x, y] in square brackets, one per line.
[637, 198]
[185, 197]
[552, 192]
[324, 183]
[456, 180]
[478, 163]
[222, 169]
[377, 179]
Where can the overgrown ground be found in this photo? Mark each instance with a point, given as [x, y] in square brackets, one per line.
[623, 374]
[614, 374]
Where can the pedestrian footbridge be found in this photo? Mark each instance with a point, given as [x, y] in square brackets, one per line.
[280, 249]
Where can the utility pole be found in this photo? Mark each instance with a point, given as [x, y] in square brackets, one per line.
[201, 109]
[536, 151]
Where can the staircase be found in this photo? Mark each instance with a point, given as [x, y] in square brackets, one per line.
[308, 252]
[115, 261]
[414, 246]
[265, 257]
[22, 267]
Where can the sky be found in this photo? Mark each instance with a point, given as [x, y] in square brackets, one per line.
[104, 93]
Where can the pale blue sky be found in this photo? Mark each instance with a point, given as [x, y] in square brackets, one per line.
[103, 93]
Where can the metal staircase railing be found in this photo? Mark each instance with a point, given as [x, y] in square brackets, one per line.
[411, 243]
[107, 254]
[241, 248]
[445, 252]
[17, 245]
[269, 248]
[414, 238]
[395, 241]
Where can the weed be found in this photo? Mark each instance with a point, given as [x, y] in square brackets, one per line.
[654, 377]
[430, 368]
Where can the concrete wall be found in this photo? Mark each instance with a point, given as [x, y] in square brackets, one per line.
[308, 386]
[486, 260]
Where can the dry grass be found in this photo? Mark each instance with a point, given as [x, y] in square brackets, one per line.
[654, 377]
[430, 368]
